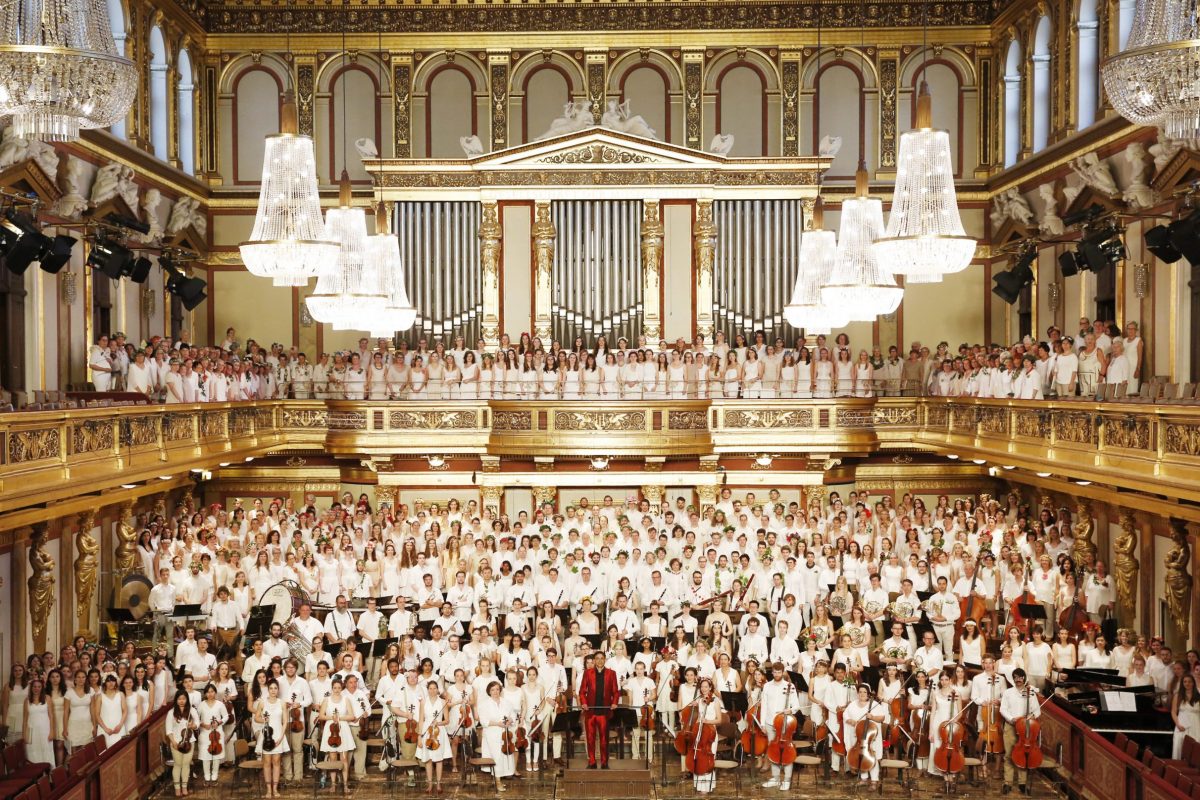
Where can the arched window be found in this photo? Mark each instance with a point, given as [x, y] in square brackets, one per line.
[1125, 9]
[1012, 104]
[158, 92]
[1041, 85]
[450, 111]
[116, 21]
[742, 109]
[1087, 79]
[186, 128]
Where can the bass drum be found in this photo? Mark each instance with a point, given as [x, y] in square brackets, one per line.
[287, 597]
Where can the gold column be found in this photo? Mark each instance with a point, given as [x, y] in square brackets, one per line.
[693, 97]
[889, 136]
[544, 234]
[708, 494]
[402, 67]
[41, 585]
[498, 64]
[790, 63]
[652, 257]
[544, 494]
[704, 237]
[490, 234]
[654, 493]
[597, 79]
[492, 497]
[306, 78]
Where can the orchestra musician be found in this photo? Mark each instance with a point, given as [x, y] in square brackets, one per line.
[779, 696]
[598, 697]
[1018, 700]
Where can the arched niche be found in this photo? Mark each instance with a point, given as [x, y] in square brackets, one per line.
[353, 98]
[248, 101]
[653, 86]
[952, 85]
[450, 100]
[839, 96]
[741, 97]
[541, 84]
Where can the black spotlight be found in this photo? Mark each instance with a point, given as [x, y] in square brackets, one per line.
[1158, 241]
[190, 291]
[111, 258]
[23, 244]
[1101, 249]
[140, 269]
[59, 254]
[1009, 284]
[1069, 263]
[1185, 236]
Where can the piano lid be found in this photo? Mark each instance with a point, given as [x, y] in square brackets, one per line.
[1104, 677]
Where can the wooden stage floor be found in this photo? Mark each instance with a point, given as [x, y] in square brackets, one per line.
[732, 784]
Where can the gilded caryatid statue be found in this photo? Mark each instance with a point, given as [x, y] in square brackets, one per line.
[652, 256]
[1125, 565]
[544, 234]
[86, 570]
[41, 585]
[125, 560]
[1084, 551]
[1177, 581]
[704, 240]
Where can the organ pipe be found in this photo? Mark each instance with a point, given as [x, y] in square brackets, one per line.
[758, 244]
[440, 252]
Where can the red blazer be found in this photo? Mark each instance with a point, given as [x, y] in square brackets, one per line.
[587, 690]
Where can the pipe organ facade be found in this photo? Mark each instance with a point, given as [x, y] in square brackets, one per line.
[440, 254]
[758, 251]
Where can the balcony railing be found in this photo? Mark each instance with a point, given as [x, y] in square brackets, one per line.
[48, 455]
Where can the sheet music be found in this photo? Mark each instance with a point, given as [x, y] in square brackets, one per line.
[1119, 701]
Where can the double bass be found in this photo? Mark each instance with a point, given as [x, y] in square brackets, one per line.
[1074, 617]
[700, 759]
[781, 751]
[949, 754]
[1027, 597]
[1027, 749]
[970, 607]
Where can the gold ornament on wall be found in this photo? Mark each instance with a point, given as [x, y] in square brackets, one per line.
[1054, 296]
[1141, 280]
[41, 585]
[68, 286]
[1177, 583]
[86, 570]
[1084, 550]
[1125, 564]
[125, 558]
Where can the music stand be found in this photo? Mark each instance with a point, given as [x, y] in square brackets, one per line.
[258, 626]
[1031, 612]
[798, 681]
[735, 701]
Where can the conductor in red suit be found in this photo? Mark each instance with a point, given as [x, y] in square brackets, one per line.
[598, 694]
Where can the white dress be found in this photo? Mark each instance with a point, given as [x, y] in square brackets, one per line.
[1130, 354]
[1189, 717]
[343, 709]
[38, 748]
[824, 379]
[610, 377]
[209, 714]
[787, 381]
[845, 378]
[470, 389]
[591, 383]
[528, 385]
[632, 380]
[491, 716]
[112, 714]
[378, 383]
[485, 383]
[417, 389]
[453, 384]
[862, 377]
[16, 712]
[356, 383]
[442, 751]
[678, 381]
[79, 727]
[273, 712]
[571, 385]
[752, 373]
[548, 384]
[731, 381]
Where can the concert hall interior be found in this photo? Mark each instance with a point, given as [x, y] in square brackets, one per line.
[599, 399]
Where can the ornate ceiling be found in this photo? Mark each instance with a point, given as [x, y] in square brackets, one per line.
[515, 16]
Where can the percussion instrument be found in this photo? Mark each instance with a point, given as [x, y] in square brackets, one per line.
[287, 597]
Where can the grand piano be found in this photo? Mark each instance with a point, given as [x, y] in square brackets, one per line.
[1081, 693]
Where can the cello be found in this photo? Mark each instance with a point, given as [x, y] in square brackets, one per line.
[700, 759]
[991, 736]
[861, 758]
[1027, 597]
[754, 738]
[1074, 617]
[949, 755]
[1027, 749]
[970, 607]
[781, 751]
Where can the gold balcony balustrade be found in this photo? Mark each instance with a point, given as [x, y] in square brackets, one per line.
[51, 455]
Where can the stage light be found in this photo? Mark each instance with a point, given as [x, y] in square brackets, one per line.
[190, 291]
[952, 457]
[1010, 466]
[1084, 483]
[979, 460]
[1103, 248]
[110, 257]
[1043, 474]
[1069, 263]
[22, 243]
[1009, 284]
[1179, 239]
[1158, 242]
[223, 464]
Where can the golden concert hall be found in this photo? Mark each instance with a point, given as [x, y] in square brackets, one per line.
[580, 399]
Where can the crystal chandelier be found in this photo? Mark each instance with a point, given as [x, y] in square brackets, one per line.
[860, 287]
[288, 243]
[349, 296]
[383, 249]
[924, 239]
[1155, 80]
[818, 255]
[59, 69]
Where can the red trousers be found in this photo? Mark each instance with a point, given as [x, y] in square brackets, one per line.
[595, 734]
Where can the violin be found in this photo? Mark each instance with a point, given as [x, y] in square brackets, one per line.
[335, 733]
[433, 736]
[216, 743]
[700, 759]
[185, 741]
[781, 751]
[754, 738]
[675, 687]
[522, 739]
[465, 720]
[1027, 750]
[560, 703]
[991, 736]
[297, 724]
[411, 735]
[507, 745]
[949, 755]
[646, 721]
